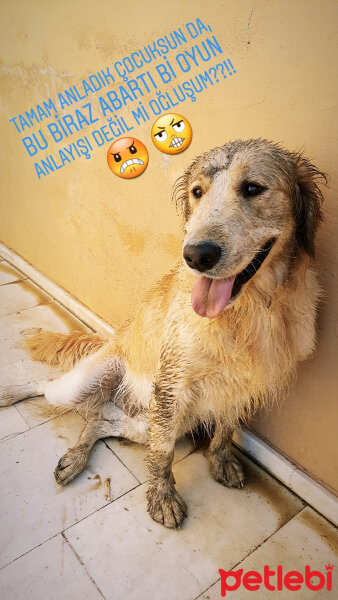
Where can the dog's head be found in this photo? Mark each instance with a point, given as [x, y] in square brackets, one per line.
[244, 204]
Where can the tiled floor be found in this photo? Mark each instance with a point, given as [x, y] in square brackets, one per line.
[73, 544]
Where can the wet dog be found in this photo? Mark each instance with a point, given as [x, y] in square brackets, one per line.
[219, 336]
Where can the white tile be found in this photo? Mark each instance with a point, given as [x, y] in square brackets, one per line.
[19, 375]
[142, 559]
[36, 411]
[133, 455]
[315, 494]
[19, 296]
[9, 274]
[33, 506]
[308, 539]
[15, 328]
[11, 422]
[21, 378]
[306, 487]
[50, 572]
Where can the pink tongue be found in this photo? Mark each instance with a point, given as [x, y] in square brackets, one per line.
[210, 296]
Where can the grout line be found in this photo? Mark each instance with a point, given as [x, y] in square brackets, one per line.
[82, 563]
[121, 461]
[335, 527]
[301, 484]
[270, 536]
[104, 506]
[254, 549]
[18, 312]
[60, 295]
[39, 424]
[266, 456]
[118, 498]
[15, 281]
[186, 456]
[209, 587]
[15, 405]
[72, 525]
[11, 436]
[145, 481]
[28, 551]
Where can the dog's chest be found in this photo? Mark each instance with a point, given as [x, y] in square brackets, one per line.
[244, 358]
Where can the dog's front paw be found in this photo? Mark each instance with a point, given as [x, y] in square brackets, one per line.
[70, 465]
[166, 507]
[228, 471]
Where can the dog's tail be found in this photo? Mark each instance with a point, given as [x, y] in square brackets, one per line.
[63, 350]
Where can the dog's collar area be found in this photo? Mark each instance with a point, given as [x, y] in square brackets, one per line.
[252, 268]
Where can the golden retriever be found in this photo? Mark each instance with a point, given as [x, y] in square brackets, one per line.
[218, 336]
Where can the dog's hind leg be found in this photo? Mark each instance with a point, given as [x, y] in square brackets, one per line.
[100, 372]
[75, 459]
[224, 467]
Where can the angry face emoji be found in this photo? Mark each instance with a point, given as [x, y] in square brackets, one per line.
[171, 133]
[127, 157]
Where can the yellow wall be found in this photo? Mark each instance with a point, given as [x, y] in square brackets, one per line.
[105, 239]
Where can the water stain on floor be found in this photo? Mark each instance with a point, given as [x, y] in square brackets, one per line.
[97, 483]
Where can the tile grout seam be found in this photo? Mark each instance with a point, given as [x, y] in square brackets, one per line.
[257, 547]
[82, 563]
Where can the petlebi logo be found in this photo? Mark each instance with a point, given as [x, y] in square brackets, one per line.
[276, 580]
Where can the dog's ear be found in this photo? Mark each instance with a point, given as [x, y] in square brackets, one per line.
[307, 201]
[181, 196]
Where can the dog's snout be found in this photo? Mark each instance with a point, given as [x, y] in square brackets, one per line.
[202, 256]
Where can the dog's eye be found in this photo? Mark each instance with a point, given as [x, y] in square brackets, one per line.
[197, 192]
[251, 189]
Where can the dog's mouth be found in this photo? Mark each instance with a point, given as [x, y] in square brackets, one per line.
[210, 296]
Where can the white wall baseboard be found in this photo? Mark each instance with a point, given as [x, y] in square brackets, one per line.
[57, 292]
[288, 473]
[284, 470]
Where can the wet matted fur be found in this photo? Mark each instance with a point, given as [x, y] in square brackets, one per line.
[218, 336]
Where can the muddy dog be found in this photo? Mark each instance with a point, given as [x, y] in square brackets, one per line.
[218, 336]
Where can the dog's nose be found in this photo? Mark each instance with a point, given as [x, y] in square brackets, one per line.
[202, 256]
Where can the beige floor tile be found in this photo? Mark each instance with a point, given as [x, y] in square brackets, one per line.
[9, 274]
[133, 455]
[36, 411]
[308, 539]
[19, 296]
[142, 559]
[11, 422]
[33, 507]
[50, 572]
[21, 378]
[15, 328]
